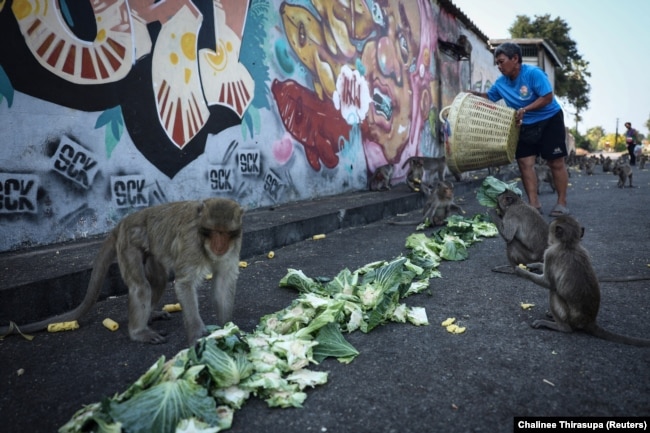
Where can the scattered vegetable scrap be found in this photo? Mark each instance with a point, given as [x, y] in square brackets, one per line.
[451, 326]
[208, 276]
[13, 327]
[318, 237]
[548, 382]
[243, 264]
[110, 324]
[525, 306]
[63, 326]
[172, 308]
[270, 255]
[200, 387]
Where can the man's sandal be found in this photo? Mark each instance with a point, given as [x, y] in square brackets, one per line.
[559, 210]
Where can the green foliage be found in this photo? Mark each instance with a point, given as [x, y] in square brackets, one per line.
[610, 141]
[584, 141]
[571, 81]
[592, 140]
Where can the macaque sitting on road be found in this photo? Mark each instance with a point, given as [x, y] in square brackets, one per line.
[572, 284]
[186, 239]
[522, 227]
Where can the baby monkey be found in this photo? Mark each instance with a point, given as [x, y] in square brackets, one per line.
[573, 284]
[438, 206]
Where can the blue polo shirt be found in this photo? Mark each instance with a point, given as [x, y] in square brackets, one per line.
[530, 84]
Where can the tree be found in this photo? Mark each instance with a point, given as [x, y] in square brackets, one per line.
[610, 141]
[581, 141]
[570, 80]
[594, 136]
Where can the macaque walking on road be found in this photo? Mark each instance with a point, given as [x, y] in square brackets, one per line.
[185, 239]
[438, 206]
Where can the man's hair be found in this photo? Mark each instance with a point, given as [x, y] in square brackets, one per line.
[508, 49]
[628, 124]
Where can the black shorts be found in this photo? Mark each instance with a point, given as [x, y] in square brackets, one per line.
[549, 142]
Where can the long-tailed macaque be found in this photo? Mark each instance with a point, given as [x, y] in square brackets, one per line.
[522, 227]
[438, 206]
[624, 172]
[422, 169]
[415, 173]
[186, 240]
[380, 180]
[572, 282]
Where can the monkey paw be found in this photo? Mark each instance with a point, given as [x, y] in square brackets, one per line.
[160, 315]
[147, 335]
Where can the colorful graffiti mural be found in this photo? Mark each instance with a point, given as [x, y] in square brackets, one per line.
[111, 105]
[371, 66]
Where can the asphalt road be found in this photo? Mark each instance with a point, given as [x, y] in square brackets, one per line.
[406, 378]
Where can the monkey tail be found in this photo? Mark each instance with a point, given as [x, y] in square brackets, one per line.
[405, 223]
[103, 261]
[624, 278]
[599, 332]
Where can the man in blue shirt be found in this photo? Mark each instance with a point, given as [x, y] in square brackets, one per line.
[528, 90]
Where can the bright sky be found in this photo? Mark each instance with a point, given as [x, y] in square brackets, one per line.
[614, 37]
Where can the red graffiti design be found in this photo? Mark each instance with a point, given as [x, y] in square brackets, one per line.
[314, 122]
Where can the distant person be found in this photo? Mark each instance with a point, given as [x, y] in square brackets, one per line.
[630, 140]
[528, 90]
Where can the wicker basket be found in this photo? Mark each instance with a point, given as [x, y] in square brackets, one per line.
[478, 133]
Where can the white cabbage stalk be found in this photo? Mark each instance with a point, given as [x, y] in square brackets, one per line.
[307, 378]
[417, 316]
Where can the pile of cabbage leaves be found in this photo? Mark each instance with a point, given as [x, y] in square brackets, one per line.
[199, 389]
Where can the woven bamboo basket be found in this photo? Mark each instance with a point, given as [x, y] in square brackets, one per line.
[478, 133]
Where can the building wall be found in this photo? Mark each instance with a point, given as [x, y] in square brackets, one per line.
[110, 106]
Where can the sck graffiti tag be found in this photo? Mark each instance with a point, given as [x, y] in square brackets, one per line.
[249, 163]
[18, 193]
[272, 184]
[129, 191]
[221, 178]
[75, 163]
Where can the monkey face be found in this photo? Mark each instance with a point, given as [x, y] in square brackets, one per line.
[220, 241]
[565, 230]
[505, 200]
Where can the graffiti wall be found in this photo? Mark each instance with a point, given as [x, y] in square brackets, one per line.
[108, 106]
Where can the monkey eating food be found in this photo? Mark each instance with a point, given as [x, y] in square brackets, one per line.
[573, 284]
[438, 206]
[186, 239]
[380, 180]
[522, 227]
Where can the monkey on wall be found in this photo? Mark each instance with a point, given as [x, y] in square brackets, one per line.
[438, 206]
[380, 180]
[522, 227]
[572, 283]
[186, 239]
[423, 168]
[415, 173]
